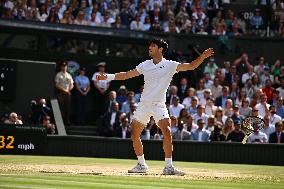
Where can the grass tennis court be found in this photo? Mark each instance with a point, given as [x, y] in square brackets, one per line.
[50, 172]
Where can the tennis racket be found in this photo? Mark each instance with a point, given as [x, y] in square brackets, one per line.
[249, 124]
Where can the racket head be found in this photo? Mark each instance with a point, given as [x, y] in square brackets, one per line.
[250, 124]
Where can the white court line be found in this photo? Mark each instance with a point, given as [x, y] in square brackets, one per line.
[28, 187]
[91, 183]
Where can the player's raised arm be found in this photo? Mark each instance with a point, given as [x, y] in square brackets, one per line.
[119, 76]
[194, 64]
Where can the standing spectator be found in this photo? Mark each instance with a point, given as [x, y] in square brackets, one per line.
[257, 136]
[263, 106]
[82, 84]
[123, 131]
[101, 87]
[256, 21]
[200, 134]
[211, 67]
[64, 85]
[237, 135]
[176, 107]
[278, 135]
[267, 127]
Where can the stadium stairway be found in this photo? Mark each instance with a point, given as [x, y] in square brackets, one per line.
[87, 130]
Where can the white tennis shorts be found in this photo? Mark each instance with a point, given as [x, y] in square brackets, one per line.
[145, 110]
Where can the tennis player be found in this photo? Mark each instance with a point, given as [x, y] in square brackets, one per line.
[158, 73]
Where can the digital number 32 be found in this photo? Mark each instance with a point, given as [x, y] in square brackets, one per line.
[10, 141]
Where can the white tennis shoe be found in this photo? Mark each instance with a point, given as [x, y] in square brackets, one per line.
[173, 171]
[139, 168]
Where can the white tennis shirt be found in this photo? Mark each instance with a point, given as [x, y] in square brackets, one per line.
[157, 78]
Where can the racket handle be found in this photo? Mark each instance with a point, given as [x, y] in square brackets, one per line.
[245, 139]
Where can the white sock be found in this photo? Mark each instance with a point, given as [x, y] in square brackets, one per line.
[169, 162]
[141, 160]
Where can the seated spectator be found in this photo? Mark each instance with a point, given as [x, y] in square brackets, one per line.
[14, 119]
[50, 127]
[211, 67]
[187, 99]
[228, 110]
[237, 135]
[219, 115]
[183, 116]
[123, 130]
[200, 134]
[173, 124]
[228, 127]
[110, 121]
[280, 107]
[108, 104]
[216, 134]
[206, 94]
[137, 24]
[182, 88]
[125, 108]
[137, 95]
[268, 90]
[176, 107]
[210, 108]
[200, 114]
[241, 96]
[268, 128]
[67, 18]
[211, 122]
[193, 108]
[257, 136]
[236, 116]
[173, 91]
[216, 88]
[181, 133]
[263, 106]
[130, 114]
[121, 95]
[191, 126]
[278, 135]
[42, 13]
[245, 109]
[53, 16]
[274, 118]
[80, 19]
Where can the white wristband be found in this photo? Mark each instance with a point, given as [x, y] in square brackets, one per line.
[110, 77]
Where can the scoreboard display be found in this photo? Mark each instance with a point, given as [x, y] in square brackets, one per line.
[19, 139]
[8, 74]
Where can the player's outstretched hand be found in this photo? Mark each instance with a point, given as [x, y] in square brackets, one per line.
[101, 77]
[208, 52]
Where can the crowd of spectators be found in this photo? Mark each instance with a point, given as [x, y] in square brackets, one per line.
[210, 110]
[40, 114]
[185, 16]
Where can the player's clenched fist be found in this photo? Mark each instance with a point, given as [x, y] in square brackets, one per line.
[101, 77]
[208, 52]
